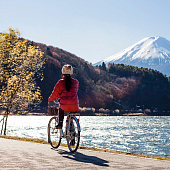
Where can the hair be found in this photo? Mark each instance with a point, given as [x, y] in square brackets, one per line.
[67, 81]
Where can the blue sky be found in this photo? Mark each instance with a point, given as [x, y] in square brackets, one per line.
[90, 29]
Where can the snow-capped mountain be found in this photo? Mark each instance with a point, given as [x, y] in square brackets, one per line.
[150, 52]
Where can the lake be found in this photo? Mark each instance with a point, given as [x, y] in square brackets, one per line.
[149, 135]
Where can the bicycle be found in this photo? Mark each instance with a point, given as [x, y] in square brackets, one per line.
[71, 133]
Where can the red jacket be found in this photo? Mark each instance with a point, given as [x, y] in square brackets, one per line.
[68, 100]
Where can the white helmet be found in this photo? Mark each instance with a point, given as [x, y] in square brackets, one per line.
[67, 69]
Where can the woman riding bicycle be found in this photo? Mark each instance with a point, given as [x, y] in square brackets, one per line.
[66, 90]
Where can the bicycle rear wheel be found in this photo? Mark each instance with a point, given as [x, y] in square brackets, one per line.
[54, 135]
[73, 134]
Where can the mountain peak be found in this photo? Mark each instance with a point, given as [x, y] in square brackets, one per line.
[150, 52]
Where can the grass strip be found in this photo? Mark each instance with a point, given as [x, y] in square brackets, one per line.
[82, 147]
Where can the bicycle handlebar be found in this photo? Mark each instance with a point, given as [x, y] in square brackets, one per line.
[54, 103]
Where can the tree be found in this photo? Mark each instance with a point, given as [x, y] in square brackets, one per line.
[20, 64]
[103, 66]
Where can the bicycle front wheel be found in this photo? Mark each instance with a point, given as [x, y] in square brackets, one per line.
[54, 135]
[73, 134]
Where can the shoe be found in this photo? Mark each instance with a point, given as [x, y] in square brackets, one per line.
[72, 143]
[59, 126]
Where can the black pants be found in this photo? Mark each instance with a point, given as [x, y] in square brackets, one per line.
[61, 116]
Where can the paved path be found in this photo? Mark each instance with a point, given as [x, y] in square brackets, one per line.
[27, 155]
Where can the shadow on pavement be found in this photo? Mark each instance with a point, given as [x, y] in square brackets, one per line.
[83, 158]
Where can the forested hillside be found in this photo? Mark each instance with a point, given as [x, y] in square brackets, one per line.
[117, 86]
[151, 89]
[91, 93]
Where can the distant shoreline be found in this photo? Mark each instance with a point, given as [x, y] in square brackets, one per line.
[93, 114]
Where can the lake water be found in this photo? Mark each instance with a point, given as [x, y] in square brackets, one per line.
[143, 135]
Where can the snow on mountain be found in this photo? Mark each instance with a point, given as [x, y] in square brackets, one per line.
[150, 52]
